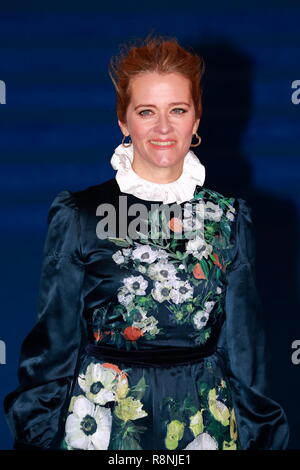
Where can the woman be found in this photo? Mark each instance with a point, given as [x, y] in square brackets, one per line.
[148, 338]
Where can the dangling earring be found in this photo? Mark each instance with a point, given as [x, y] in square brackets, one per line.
[126, 145]
[199, 141]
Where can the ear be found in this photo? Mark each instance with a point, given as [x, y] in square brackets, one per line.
[196, 125]
[123, 127]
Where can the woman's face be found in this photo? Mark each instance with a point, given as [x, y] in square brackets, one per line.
[161, 110]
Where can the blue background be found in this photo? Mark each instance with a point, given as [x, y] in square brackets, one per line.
[58, 130]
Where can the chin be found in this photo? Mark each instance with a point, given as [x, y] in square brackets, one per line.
[165, 158]
[165, 163]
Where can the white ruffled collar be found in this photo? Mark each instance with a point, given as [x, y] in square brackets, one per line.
[178, 191]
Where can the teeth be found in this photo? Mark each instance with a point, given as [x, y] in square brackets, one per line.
[162, 143]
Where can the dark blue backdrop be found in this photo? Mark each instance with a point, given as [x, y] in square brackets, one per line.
[59, 129]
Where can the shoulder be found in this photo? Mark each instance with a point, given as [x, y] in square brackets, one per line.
[220, 206]
[231, 217]
[241, 228]
[86, 199]
[104, 191]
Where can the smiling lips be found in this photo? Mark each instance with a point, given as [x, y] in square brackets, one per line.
[163, 143]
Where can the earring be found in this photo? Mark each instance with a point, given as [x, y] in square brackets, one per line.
[199, 141]
[126, 145]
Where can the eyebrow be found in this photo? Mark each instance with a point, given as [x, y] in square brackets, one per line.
[153, 105]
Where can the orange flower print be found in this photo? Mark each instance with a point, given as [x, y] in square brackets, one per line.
[97, 335]
[109, 365]
[175, 224]
[217, 261]
[132, 333]
[198, 272]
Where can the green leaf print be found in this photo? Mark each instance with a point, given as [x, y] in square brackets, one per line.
[203, 264]
[189, 406]
[142, 236]
[126, 436]
[203, 388]
[64, 445]
[130, 443]
[138, 390]
[202, 336]
[119, 241]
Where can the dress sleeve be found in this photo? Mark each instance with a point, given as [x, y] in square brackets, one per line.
[35, 409]
[261, 421]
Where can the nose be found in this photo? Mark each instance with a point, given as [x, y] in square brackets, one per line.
[163, 124]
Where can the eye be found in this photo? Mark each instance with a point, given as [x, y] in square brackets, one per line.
[144, 111]
[179, 109]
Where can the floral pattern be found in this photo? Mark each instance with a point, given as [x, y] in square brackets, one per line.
[183, 276]
[170, 285]
[105, 409]
[104, 401]
[212, 427]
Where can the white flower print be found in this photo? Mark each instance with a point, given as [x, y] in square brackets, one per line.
[208, 306]
[118, 257]
[144, 253]
[195, 244]
[162, 271]
[98, 383]
[136, 285]
[142, 269]
[203, 442]
[124, 297]
[198, 248]
[205, 251]
[162, 254]
[213, 211]
[200, 319]
[182, 291]
[231, 208]
[201, 316]
[219, 290]
[148, 324]
[140, 319]
[230, 215]
[162, 291]
[89, 426]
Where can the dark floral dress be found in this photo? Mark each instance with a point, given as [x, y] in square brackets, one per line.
[192, 290]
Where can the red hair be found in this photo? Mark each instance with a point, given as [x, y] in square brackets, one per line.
[157, 54]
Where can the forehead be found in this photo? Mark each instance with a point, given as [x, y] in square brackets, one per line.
[159, 86]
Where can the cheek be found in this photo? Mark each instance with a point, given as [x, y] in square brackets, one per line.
[185, 127]
[186, 132]
[189, 129]
[138, 129]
